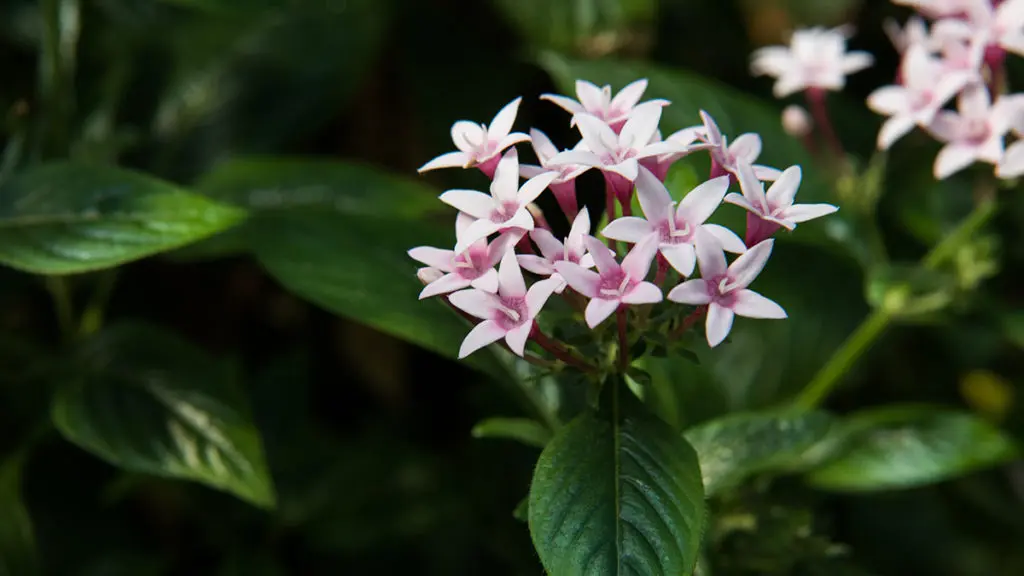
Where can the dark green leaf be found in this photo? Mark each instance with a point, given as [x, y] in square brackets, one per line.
[529, 432]
[17, 543]
[902, 447]
[63, 218]
[1013, 326]
[735, 447]
[149, 402]
[617, 492]
[576, 25]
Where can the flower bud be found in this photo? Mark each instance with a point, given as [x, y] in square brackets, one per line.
[428, 274]
[796, 122]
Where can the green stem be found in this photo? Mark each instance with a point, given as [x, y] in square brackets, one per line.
[59, 40]
[58, 288]
[92, 317]
[871, 328]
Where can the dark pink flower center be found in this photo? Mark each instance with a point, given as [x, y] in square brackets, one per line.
[614, 285]
[510, 313]
[720, 291]
[976, 130]
[471, 264]
[504, 212]
[921, 99]
[673, 231]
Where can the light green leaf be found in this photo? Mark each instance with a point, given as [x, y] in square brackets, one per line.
[579, 26]
[529, 432]
[735, 447]
[617, 492]
[63, 218]
[149, 402]
[907, 446]
[17, 543]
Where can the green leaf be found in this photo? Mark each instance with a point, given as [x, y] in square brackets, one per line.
[1013, 327]
[63, 218]
[907, 446]
[147, 401]
[529, 432]
[617, 492]
[735, 447]
[575, 25]
[17, 543]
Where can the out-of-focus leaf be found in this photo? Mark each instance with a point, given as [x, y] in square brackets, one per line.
[617, 492]
[682, 392]
[529, 432]
[579, 26]
[1013, 326]
[902, 447]
[17, 543]
[230, 5]
[906, 291]
[735, 447]
[124, 564]
[64, 218]
[245, 563]
[147, 401]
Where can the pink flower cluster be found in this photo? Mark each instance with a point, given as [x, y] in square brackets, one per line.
[620, 137]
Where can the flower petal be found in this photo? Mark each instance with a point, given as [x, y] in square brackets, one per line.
[745, 269]
[628, 229]
[580, 229]
[584, 281]
[484, 333]
[643, 293]
[682, 257]
[599, 310]
[448, 160]
[641, 126]
[766, 173]
[893, 129]
[739, 200]
[505, 186]
[536, 264]
[629, 95]
[511, 139]
[575, 157]
[711, 131]
[783, 191]
[530, 170]
[628, 169]
[443, 285]
[476, 204]
[637, 263]
[502, 123]
[693, 292]
[510, 277]
[710, 256]
[728, 239]
[599, 137]
[475, 302]
[542, 145]
[746, 147]
[488, 281]
[753, 305]
[751, 187]
[954, 158]
[534, 187]
[856, 61]
[1012, 164]
[889, 100]
[468, 136]
[538, 295]
[804, 212]
[568, 104]
[718, 323]
[435, 257]
[591, 96]
[516, 338]
[701, 202]
[653, 196]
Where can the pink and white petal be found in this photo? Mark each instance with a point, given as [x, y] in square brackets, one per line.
[637, 263]
[511, 140]
[745, 269]
[536, 264]
[654, 198]
[889, 100]
[510, 277]
[516, 338]
[576, 157]
[477, 230]
[728, 239]
[893, 129]
[710, 255]
[1012, 163]
[701, 202]
[991, 151]
[751, 187]
[954, 158]
[643, 293]
[488, 281]
[667, 147]
[599, 310]
[804, 212]
[568, 104]
[856, 61]
[462, 222]
[587, 261]
[628, 169]
[448, 160]
[946, 126]
[788, 84]
[711, 131]
[750, 304]
[686, 136]
[642, 124]
[549, 246]
[475, 302]
[542, 145]
[628, 229]
[443, 285]
[502, 123]
[522, 221]
[468, 136]
[529, 170]
[599, 137]
[535, 186]
[746, 147]
[766, 173]
[435, 257]
[718, 323]
[974, 102]
[783, 191]
[630, 94]
[682, 257]
[1007, 114]
[503, 243]
[693, 292]
[771, 61]
[483, 334]
[476, 204]
[580, 228]
[603, 257]
[584, 281]
[592, 97]
[560, 283]
[739, 200]
[427, 274]
[505, 186]
[950, 84]
[539, 293]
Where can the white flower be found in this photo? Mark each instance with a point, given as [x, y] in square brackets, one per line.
[815, 58]
[480, 145]
[598, 102]
[974, 133]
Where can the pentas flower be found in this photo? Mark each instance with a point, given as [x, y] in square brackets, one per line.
[552, 250]
[508, 314]
[479, 145]
[564, 184]
[914, 32]
[612, 285]
[1011, 165]
[723, 289]
[766, 213]
[1000, 27]
[975, 134]
[455, 270]
[675, 227]
[689, 141]
[727, 157]
[816, 58]
[505, 208]
[927, 86]
[940, 8]
[598, 102]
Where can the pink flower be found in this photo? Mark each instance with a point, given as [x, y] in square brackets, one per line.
[999, 27]
[768, 212]
[598, 102]
[927, 86]
[505, 208]
[508, 314]
[915, 32]
[1011, 165]
[612, 285]
[564, 184]
[479, 145]
[727, 157]
[573, 250]
[724, 289]
[689, 142]
[815, 58]
[975, 134]
[472, 267]
[940, 8]
[675, 228]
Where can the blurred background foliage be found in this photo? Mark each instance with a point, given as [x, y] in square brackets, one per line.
[314, 115]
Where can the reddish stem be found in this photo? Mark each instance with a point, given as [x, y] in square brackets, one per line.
[627, 208]
[620, 316]
[559, 351]
[524, 245]
[659, 277]
[688, 322]
[816, 102]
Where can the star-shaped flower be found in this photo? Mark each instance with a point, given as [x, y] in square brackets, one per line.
[675, 228]
[612, 285]
[509, 314]
[689, 140]
[564, 184]
[745, 149]
[573, 250]
[472, 267]
[598, 102]
[767, 212]
[724, 289]
[505, 208]
[999, 26]
[815, 58]
[975, 134]
[479, 145]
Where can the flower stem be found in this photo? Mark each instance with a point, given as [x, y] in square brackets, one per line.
[871, 328]
[620, 317]
[58, 288]
[816, 102]
[659, 277]
[559, 351]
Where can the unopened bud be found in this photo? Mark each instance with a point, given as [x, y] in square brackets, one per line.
[428, 274]
[796, 121]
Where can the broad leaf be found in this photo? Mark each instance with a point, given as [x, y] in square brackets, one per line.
[578, 26]
[902, 447]
[147, 401]
[63, 218]
[529, 432]
[17, 543]
[617, 492]
[735, 447]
